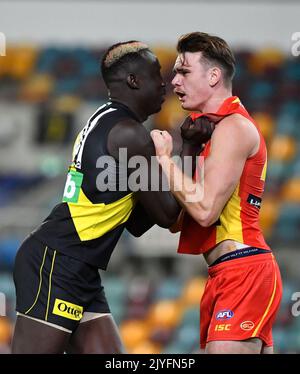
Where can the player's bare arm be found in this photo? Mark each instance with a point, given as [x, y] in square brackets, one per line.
[233, 141]
[139, 221]
[161, 206]
[194, 136]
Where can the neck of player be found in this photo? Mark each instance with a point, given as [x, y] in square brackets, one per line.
[213, 103]
[134, 106]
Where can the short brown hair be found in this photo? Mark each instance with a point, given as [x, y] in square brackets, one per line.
[213, 48]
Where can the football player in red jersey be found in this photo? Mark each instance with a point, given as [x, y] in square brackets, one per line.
[221, 212]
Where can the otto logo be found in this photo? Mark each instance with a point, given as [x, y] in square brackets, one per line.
[68, 310]
[224, 314]
[223, 327]
[247, 325]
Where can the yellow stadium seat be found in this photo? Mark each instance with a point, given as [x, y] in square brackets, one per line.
[165, 314]
[291, 190]
[193, 292]
[23, 61]
[134, 332]
[67, 103]
[37, 88]
[6, 62]
[282, 148]
[5, 331]
[267, 57]
[269, 214]
[265, 123]
[147, 347]
[166, 56]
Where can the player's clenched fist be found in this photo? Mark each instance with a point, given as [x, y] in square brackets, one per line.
[163, 142]
[198, 131]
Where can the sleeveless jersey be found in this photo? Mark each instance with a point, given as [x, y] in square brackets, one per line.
[90, 220]
[239, 220]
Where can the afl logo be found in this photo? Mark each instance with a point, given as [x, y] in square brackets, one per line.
[224, 314]
[247, 325]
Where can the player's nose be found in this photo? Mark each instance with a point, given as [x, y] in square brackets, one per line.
[175, 81]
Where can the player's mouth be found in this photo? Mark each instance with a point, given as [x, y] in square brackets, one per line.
[181, 95]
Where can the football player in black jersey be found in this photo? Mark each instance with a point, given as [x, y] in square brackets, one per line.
[61, 303]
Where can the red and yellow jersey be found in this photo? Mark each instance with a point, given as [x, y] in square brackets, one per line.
[239, 220]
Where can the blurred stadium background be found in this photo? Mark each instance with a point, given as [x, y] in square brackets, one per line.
[50, 84]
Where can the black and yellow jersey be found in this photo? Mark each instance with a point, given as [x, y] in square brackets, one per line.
[89, 221]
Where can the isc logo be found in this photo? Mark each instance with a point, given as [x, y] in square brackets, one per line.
[224, 314]
[223, 327]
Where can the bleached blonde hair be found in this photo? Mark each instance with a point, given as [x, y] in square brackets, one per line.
[117, 51]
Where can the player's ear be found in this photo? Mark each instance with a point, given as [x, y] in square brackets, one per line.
[214, 76]
[132, 81]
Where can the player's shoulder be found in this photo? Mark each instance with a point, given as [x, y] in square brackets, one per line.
[236, 125]
[130, 131]
[236, 134]
[235, 119]
[132, 135]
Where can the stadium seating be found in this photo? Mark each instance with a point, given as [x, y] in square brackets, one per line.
[160, 316]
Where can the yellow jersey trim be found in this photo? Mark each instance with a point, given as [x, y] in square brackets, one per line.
[49, 290]
[230, 218]
[269, 305]
[264, 172]
[40, 281]
[94, 220]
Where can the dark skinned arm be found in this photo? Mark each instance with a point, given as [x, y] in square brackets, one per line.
[194, 134]
[139, 221]
[160, 205]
